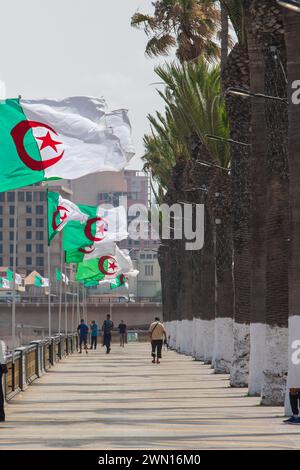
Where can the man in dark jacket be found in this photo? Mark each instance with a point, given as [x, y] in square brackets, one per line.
[83, 333]
[3, 370]
[107, 329]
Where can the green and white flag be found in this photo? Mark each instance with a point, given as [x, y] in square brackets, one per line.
[58, 275]
[4, 283]
[10, 275]
[89, 252]
[106, 267]
[120, 281]
[70, 138]
[103, 226]
[60, 212]
[40, 281]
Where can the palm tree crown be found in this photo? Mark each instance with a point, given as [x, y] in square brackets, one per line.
[188, 25]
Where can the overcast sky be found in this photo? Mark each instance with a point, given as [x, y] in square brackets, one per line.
[74, 47]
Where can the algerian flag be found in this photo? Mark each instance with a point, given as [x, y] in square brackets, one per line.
[103, 226]
[40, 281]
[105, 268]
[60, 212]
[18, 279]
[65, 278]
[89, 252]
[58, 275]
[10, 275]
[70, 138]
[120, 281]
[4, 283]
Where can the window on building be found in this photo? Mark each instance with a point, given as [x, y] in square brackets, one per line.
[1, 249]
[28, 235]
[28, 209]
[11, 210]
[36, 196]
[149, 256]
[11, 249]
[1, 236]
[39, 223]
[28, 248]
[148, 270]
[21, 196]
[40, 235]
[11, 197]
[11, 236]
[40, 248]
[42, 196]
[28, 261]
[28, 222]
[39, 261]
[142, 256]
[1, 210]
[155, 256]
[1, 261]
[39, 210]
[1, 223]
[11, 223]
[2, 197]
[29, 197]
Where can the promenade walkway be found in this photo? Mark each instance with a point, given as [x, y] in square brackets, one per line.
[123, 401]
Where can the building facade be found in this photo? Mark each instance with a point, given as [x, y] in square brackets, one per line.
[32, 240]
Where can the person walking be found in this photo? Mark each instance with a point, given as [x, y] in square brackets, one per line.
[94, 334]
[83, 334]
[107, 329]
[3, 370]
[294, 396]
[123, 332]
[157, 335]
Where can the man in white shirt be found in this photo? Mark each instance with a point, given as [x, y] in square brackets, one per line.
[3, 370]
[157, 334]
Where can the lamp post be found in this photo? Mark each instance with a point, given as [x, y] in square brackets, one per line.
[290, 4]
[235, 91]
[228, 141]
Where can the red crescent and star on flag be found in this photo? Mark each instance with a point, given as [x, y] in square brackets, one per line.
[63, 214]
[112, 265]
[18, 134]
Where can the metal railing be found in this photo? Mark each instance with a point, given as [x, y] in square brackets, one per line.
[33, 360]
[91, 300]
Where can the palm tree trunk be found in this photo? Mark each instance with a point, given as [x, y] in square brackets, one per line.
[236, 74]
[258, 219]
[292, 27]
[268, 28]
[220, 206]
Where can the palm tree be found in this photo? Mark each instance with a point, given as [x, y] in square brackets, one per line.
[193, 110]
[189, 26]
[236, 74]
[268, 28]
[258, 177]
[291, 27]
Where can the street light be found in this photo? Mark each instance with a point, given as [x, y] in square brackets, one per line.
[290, 4]
[235, 91]
[210, 165]
[228, 141]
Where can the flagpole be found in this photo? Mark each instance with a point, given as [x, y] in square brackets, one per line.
[60, 289]
[66, 303]
[49, 278]
[73, 309]
[78, 305]
[49, 292]
[13, 320]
